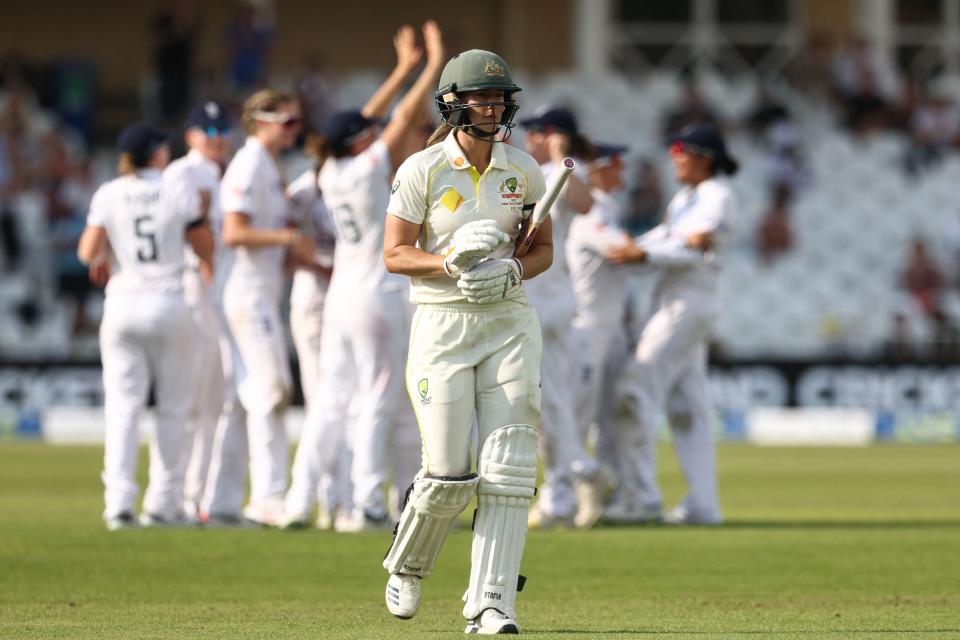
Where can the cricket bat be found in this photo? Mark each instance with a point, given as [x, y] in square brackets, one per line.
[542, 209]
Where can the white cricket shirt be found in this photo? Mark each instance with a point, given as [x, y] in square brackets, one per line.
[253, 186]
[440, 190]
[194, 173]
[599, 286]
[146, 226]
[307, 210]
[356, 190]
[710, 206]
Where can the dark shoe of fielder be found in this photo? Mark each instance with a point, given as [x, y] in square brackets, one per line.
[403, 595]
[120, 521]
[492, 622]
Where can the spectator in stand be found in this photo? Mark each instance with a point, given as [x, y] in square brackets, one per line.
[174, 30]
[923, 279]
[646, 200]
[315, 92]
[934, 127]
[767, 112]
[19, 150]
[945, 345]
[810, 71]
[774, 235]
[864, 84]
[692, 109]
[248, 40]
[899, 345]
[786, 163]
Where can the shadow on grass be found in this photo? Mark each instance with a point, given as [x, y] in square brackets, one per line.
[842, 524]
[747, 632]
[801, 524]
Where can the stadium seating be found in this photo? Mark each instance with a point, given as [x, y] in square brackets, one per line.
[835, 292]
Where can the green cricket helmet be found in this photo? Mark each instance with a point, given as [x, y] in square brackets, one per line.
[475, 70]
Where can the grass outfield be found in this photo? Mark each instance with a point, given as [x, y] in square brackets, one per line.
[820, 543]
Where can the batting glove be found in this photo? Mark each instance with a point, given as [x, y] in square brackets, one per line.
[472, 243]
[491, 280]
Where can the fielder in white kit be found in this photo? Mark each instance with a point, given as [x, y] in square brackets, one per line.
[207, 131]
[136, 235]
[671, 355]
[572, 486]
[365, 325]
[255, 226]
[475, 345]
[307, 296]
[600, 289]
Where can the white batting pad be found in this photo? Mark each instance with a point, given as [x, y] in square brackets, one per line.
[508, 477]
[432, 506]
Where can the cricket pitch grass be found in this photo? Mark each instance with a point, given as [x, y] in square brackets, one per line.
[818, 543]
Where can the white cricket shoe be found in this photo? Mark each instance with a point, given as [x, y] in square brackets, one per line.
[538, 518]
[624, 513]
[680, 515]
[492, 622]
[157, 521]
[361, 520]
[266, 513]
[223, 521]
[120, 521]
[591, 492]
[295, 521]
[403, 595]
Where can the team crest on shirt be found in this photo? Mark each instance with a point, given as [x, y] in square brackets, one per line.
[508, 191]
[423, 387]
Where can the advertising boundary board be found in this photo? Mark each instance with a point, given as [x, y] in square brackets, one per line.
[904, 402]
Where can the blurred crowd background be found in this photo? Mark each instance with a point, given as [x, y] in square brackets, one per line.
[843, 113]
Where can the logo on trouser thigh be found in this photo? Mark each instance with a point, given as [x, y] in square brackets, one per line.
[423, 387]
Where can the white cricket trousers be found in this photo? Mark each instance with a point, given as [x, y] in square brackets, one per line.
[226, 479]
[361, 354]
[306, 327]
[671, 358]
[263, 383]
[468, 358]
[208, 394]
[561, 438]
[145, 339]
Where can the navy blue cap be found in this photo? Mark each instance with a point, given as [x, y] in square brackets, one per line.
[208, 114]
[558, 119]
[602, 150]
[706, 140]
[140, 140]
[343, 126]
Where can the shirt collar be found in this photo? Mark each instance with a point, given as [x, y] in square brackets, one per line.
[198, 158]
[254, 142]
[149, 173]
[458, 160]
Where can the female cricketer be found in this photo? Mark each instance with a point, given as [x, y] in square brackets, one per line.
[671, 356]
[140, 230]
[475, 344]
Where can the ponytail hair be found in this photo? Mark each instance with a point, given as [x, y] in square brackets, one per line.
[317, 149]
[126, 165]
[265, 100]
[439, 134]
[581, 148]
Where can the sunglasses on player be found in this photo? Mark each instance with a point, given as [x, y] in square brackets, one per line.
[679, 147]
[213, 132]
[285, 120]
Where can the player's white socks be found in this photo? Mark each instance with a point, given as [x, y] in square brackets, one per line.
[508, 470]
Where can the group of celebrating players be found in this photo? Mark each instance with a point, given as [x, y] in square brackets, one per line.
[502, 354]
